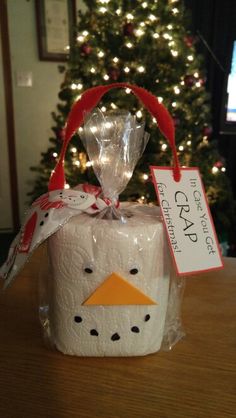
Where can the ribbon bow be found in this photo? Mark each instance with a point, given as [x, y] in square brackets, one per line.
[47, 215]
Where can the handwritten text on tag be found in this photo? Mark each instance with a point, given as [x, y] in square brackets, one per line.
[187, 219]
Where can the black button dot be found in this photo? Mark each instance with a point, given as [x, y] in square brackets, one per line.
[88, 270]
[94, 332]
[82, 197]
[46, 215]
[147, 317]
[78, 319]
[135, 329]
[41, 223]
[115, 337]
[133, 271]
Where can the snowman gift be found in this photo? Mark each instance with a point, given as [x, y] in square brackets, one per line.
[110, 286]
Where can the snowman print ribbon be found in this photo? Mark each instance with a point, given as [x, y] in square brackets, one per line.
[47, 215]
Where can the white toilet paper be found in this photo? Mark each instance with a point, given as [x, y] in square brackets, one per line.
[83, 254]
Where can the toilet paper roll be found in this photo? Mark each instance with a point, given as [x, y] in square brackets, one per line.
[87, 251]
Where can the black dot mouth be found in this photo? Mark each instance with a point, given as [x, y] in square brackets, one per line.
[115, 337]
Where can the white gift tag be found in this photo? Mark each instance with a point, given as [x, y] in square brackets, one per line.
[187, 219]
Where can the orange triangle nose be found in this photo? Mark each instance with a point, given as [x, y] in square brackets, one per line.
[117, 291]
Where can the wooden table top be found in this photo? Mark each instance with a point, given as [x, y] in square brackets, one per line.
[196, 379]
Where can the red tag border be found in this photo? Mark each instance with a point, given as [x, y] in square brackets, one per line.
[190, 273]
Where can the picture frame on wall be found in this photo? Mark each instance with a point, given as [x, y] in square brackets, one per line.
[55, 26]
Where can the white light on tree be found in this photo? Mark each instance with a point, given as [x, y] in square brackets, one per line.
[79, 86]
[163, 147]
[103, 109]
[145, 176]
[113, 106]
[127, 91]
[129, 16]
[160, 99]
[118, 12]
[189, 143]
[77, 163]
[129, 45]
[169, 27]
[198, 84]
[126, 69]
[101, 54]
[106, 77]
[181, 148]
[139, 114]
[190, 57]
[144, 5]
[141, 69]
[142, 24]
[103, 10]
[175, 10]
[152, 18]
[196, 74]
[174, 104]
[174, 53]
[89, 164]
[74, 150]
[156, 35]
[67, 186]
[115, 59]
[92, 70]
[139, 32]
[55, 154]
[215, 170]
[176, 90]
[85, 33]
[73, 86]
[223, 169]
[80, 38]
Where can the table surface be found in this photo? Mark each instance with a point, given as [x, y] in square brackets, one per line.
[196, 379]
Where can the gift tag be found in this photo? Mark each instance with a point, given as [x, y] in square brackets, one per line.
[187, 219]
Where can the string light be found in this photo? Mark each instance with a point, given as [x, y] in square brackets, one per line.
[176, 90]
[55, 154]
[118, 12]
[142, 24]
[80, 129]
[126, 69]
[139, 32]
[80, 38]
[156, 35]
[103, 109]
[79, 86]
[152, 18]
[129, 45]
[129, 16]
[106, 77]
[92, 70]
[67, 186]
[115, 59]
[174, 53]
[215, 169]
[174, 104]
[189, 143]
[163, 147]
[74, 150]
[182, 83]
[93, 129]
[223, 169]
[77, 163]
[181, 148]
[170, 27]
[144, 5]
[127, 91]
[139, 114]
[73, 86]
[196, 75]
[145, 176]
[104, 1]
[89, 164]
[113, 106]
[198, 84]
[103, 10]
[101, 54]
[175, 11]
[141, 69]
[85, 33]
[160, 99]
[190, 57]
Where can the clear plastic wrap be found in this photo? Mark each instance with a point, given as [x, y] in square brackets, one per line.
[109, 288]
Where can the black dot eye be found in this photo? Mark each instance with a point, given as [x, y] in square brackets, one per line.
[134, 271]
[88, 270]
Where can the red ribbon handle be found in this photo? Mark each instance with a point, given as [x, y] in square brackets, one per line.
[89, 100]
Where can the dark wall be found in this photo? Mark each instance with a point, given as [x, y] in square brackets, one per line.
[216, 22]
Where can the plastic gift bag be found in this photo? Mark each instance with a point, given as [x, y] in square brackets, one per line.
[108, 288]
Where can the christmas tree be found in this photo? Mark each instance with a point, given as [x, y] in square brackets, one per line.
[148, 44]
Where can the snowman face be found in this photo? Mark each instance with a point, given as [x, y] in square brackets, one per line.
[93, 258]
